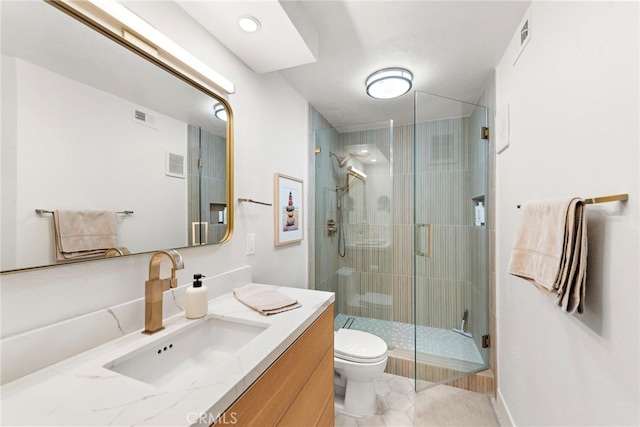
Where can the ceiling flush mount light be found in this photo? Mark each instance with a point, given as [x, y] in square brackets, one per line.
[220, 112]
[389, 83]
[249, 24]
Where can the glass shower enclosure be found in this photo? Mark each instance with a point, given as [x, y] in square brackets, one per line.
[399, 233]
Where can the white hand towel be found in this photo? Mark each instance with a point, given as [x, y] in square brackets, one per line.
[264, 299]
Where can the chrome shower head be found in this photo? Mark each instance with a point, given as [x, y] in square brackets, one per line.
[343, 160]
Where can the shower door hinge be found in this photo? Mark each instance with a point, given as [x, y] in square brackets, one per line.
[486, 341]
[485, 132]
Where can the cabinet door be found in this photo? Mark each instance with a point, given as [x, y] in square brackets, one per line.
[309, 406]
[300, 381]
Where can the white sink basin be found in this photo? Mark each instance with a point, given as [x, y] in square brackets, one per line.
[188, 354]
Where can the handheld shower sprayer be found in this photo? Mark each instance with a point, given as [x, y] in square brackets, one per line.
[351, 174]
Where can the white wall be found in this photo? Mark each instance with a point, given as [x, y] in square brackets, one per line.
[270, 136]
[573, 97]
[76, 161]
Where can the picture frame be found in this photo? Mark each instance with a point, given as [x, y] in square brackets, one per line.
[288, 210]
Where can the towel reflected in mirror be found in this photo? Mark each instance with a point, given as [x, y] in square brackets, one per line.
[84, 234]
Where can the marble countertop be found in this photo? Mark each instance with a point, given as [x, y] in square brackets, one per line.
[80, 391]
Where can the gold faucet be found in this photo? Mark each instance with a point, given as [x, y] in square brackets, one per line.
[154, 287]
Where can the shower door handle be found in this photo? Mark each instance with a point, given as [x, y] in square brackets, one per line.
[421, 230]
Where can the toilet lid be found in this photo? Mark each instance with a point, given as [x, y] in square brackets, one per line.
[359, 346]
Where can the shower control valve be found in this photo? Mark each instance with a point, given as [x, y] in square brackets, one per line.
[331, 228]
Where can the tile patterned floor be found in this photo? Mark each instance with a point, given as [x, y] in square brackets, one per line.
[436, 341]
[398, 405]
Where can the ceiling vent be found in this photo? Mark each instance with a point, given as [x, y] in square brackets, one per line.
[145, 118]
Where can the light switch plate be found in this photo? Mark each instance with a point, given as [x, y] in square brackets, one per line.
[251, 244]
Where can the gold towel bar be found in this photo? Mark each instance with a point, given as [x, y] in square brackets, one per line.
[44, 211]
[254, 201]
[604, 199]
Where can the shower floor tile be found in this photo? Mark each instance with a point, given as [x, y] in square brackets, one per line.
[436, 341]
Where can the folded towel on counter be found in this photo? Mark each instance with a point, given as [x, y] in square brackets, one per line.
[84, 234]
[264, 299]
[550, 250]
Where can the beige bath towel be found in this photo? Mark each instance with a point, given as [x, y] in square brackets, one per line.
[84, 234]
[264, 299]
[550, 250]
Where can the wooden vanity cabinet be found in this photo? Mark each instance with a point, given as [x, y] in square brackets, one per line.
[297, 389]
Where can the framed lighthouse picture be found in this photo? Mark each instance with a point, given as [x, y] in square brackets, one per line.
[288, 210]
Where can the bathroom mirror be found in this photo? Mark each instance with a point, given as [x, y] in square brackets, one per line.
[88, 124]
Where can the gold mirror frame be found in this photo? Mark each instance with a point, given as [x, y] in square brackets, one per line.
[81, 11]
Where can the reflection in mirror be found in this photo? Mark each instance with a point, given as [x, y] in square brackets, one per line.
[88, 125]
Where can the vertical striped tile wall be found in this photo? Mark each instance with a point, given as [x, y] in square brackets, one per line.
[371, 205]
[441, 168]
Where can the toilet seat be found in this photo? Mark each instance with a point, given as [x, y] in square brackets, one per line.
[359, 346]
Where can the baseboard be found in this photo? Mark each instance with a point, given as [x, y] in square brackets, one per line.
[503, 411]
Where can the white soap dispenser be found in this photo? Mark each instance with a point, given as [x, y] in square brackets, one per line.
[197, 303]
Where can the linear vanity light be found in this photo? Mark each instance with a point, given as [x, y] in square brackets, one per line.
[138, 25]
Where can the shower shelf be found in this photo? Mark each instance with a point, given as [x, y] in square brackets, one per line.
[479, 210]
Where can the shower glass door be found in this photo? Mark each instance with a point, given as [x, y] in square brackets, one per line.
[450, 289]
[353, 239]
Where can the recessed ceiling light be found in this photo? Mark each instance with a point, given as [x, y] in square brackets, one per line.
[249, 24]
[389, 83]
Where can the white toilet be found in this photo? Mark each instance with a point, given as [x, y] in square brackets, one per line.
[359, 358]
